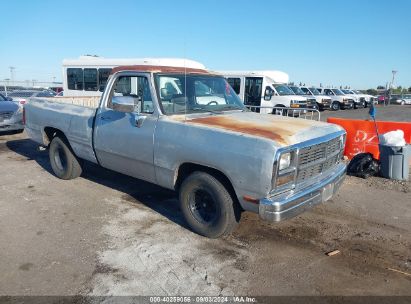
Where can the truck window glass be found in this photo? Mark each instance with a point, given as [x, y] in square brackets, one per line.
[181, 94]
[103, 75]
[90, 79]
[134, 86]
[235, 83]
[75, 78]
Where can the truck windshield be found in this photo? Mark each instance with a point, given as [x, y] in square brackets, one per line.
[315, 91]
[337, 92]
[283, 90]
[179, 94]
[298, 91]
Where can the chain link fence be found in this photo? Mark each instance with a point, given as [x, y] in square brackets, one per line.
[18, 90]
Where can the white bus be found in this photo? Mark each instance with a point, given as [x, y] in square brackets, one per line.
[264, 89]
[88, 75]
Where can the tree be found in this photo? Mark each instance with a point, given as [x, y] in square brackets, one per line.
[380, 88]
[372, 92]
[409, 90]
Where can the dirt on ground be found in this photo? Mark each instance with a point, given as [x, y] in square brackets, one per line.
[108, 234]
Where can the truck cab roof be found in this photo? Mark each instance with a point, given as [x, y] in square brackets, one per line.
[161, 69]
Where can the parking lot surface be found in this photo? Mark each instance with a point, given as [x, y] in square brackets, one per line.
[385, 113]
[108, 234]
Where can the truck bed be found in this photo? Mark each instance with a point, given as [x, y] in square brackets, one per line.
[74, 116]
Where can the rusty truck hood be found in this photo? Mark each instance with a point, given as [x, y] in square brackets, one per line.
[283, 131]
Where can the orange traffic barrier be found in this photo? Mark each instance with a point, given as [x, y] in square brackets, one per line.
[362, 137]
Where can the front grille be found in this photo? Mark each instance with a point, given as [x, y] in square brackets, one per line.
[5, 115]
[318, 158]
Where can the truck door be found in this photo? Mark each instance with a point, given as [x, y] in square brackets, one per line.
[123, 139]
[253, 91]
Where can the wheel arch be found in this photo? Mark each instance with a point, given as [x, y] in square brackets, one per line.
[50, 132]
[187, 168]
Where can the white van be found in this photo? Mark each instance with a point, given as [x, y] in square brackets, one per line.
[264, 89]
[323, 101]
[344, 101]
[88, 75]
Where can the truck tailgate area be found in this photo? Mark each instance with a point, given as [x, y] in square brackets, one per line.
[72, 116]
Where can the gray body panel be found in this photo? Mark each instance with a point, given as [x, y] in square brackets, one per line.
[241, 145]
[75, 121]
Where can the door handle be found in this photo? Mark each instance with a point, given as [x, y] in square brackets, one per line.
[105, 117]
[139, 120]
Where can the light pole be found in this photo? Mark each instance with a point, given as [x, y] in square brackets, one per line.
[391, 85]
[6, 84]
[12, 68]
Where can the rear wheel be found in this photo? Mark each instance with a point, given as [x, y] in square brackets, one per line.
[64, 163]
[207, 206]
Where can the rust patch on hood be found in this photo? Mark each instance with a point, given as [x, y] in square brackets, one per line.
[277, 130]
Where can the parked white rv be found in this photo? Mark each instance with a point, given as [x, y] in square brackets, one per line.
[264, 89]
[88, 75]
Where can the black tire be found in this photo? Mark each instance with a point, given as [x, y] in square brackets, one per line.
[283, 112]
[335, 106]
[207, 206]
[64, 163]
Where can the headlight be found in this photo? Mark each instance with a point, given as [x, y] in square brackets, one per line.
[285, 161]
[284, 171]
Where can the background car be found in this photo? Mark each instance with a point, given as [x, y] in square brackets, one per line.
[11, 116]
[401, 99]
[22, 96]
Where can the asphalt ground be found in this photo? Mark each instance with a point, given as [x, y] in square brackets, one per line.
[384, 113]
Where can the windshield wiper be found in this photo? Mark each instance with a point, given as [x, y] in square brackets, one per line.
[203, 110]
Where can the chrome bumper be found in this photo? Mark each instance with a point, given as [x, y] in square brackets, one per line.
[278, 208]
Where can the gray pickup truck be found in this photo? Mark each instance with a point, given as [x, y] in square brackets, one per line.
[186, 130]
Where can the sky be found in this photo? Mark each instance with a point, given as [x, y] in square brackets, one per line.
[347, 42]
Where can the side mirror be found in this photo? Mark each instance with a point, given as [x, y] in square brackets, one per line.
[126, 104]
[9, 98]
[268, 93]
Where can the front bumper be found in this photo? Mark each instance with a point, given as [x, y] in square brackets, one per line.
[326, 103]
[348, 104]
[282, 207]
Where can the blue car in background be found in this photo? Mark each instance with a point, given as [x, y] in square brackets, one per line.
[11, 116]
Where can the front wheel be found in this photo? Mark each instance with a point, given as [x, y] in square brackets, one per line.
[63, 161]
[207, 206]
[335, 106]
